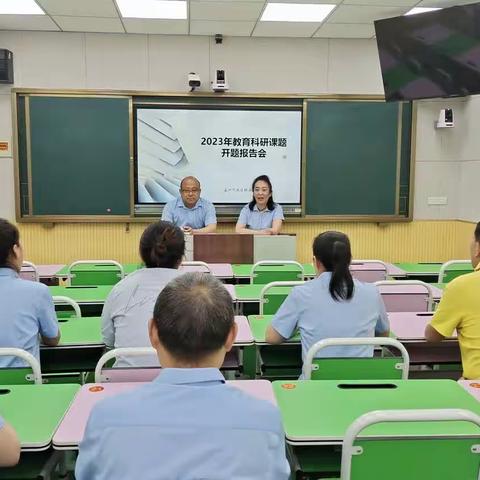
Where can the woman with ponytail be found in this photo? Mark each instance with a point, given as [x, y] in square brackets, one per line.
[129, 307]
[331, 305]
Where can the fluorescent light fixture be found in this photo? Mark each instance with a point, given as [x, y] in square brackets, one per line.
[416, 10]
[166, 9]
[20, 7]
[296, 12]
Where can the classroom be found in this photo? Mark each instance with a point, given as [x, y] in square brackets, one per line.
[239, 239]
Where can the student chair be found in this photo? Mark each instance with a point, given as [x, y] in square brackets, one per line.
[127, 374]
[406, 295]
[446, 274]
[91, 277]
[29, 271]
[376, 271]
[270, 302]
[195, 266]
[404, 456]
[20, 375]
[276, 272]
[62, 301]
[353, 368]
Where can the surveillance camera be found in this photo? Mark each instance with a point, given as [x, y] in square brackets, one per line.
[220, 83]
[445, 118]
[193, 81]
[218, 38]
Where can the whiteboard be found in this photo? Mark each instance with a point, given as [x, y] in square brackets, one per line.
[224, 149]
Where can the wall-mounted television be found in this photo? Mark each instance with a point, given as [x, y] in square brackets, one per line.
[429, 55]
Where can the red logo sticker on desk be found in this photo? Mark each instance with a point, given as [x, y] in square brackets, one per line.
[96, 389]
[475, 385]
[289, 386]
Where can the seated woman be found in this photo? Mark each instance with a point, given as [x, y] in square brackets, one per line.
[129, 306]
[332, 305]
[262, 215]
[27, 313]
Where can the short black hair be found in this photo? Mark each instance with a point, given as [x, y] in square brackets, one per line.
[270, 202]
[477, 233]
[9, 236]
[162, 245]
[333, 250]
[193, 315]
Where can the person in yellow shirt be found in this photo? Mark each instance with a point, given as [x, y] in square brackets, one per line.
[460, 309]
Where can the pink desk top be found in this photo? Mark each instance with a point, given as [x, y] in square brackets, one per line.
[231, 290]
[471, 386]
[48, 270]
[244, 334]
[410, 325]
[70, 432]
[409, 289]
[219, 270]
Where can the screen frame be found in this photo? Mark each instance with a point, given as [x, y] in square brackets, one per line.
[226, 209]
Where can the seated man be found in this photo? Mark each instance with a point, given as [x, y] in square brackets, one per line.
[188, 423]
[191, 212]
[460, 309]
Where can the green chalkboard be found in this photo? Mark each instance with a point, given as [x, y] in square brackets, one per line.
[355, 156]
[79, 155]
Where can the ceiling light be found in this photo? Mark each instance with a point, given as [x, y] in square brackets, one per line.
[296, 12]
[166, 9]
[20, 7]
[416, 10]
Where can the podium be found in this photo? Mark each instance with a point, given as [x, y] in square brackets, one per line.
[240, 248]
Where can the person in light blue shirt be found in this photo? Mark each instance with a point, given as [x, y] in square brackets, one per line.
[188, 423]
[9, 445]
[190, 212]
[262, 216]
[129, 306]
[27, 313]
[332, 305]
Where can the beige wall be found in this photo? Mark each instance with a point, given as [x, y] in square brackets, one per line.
[448, 162]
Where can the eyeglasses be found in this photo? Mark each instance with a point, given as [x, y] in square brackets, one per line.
[193, 190]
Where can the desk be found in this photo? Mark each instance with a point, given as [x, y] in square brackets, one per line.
[407, 298]
[250, 294]
[71, 430]
[319, 412]
[223, 271]
[81, 346]
[259, 324]
[275, 361]
[428, 272]
[242, 271]
[90, 298]
[35, 411]
[96, 274]
[472, 387]
[92, 274]
[409, 328]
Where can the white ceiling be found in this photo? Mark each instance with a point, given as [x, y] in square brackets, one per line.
[350, 19]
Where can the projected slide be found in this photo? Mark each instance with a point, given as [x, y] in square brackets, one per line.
[224, 149]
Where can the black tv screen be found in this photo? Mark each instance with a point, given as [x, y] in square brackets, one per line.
[428, 55]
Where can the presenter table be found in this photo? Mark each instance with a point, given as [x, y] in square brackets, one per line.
[319, 412]
[71, 431]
